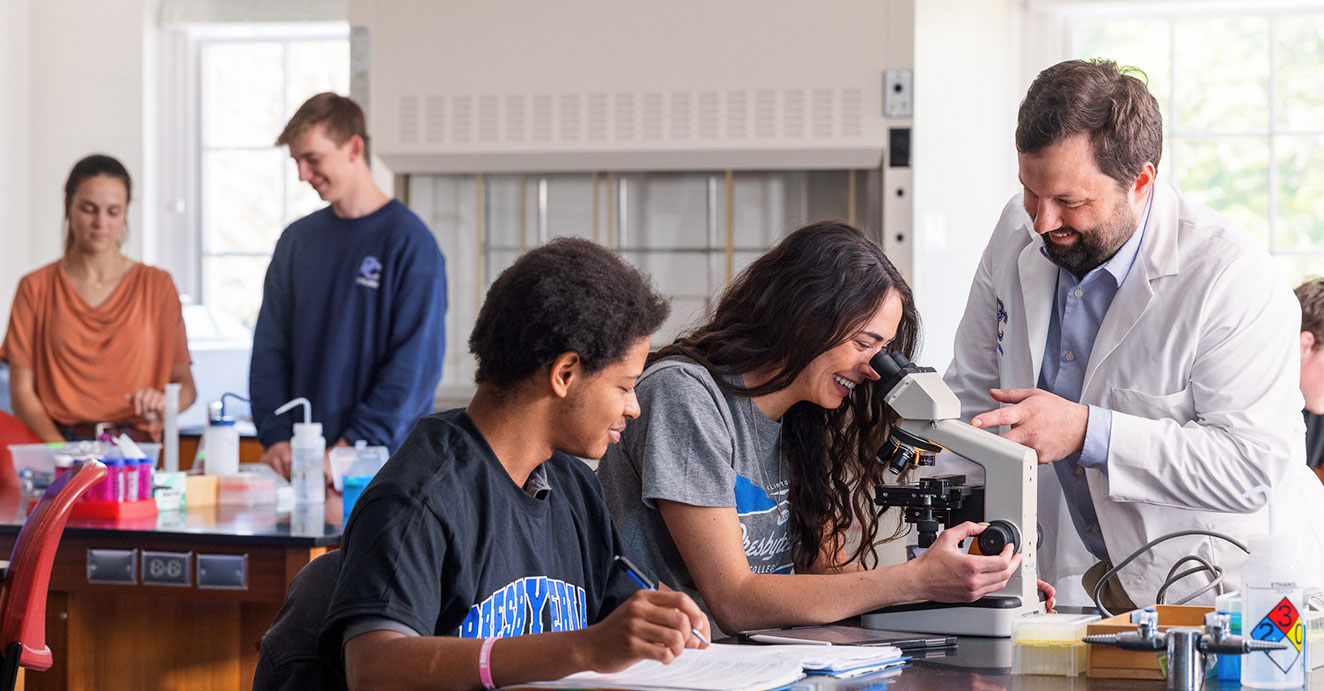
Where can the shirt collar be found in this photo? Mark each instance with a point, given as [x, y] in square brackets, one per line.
[538, 485]
[1120, 264]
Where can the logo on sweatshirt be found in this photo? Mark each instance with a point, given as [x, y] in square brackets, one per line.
[370, 272]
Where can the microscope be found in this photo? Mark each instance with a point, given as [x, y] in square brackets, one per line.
[930, 422]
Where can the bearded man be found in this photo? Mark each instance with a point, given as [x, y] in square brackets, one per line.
[1144, 346]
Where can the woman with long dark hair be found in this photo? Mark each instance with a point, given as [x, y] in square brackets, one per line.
[754, 458]
[95, 336]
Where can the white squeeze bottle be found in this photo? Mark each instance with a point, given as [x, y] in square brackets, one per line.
[1273, 606]
[220, 441]
[307, 455]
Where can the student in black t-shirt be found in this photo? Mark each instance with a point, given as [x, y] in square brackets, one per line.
[483, 527]
[1311, 296]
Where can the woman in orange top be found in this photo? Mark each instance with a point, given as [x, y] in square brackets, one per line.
[95, 336]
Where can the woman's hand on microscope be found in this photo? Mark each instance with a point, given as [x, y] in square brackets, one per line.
[948, 574]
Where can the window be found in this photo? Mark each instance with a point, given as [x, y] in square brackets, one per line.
[250, 80]
[673, 226]
[1243, 114]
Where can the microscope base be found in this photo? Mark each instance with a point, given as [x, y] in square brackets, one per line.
[987, 616]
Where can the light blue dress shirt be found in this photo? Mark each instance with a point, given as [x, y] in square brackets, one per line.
[1079, 307]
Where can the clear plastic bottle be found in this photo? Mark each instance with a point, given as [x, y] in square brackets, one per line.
[1272, 610]
[307, 456]
[220, 442]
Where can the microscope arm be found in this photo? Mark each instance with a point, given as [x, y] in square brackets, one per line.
[1010, 493]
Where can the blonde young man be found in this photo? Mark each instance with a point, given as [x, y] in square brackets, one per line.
[354, 304]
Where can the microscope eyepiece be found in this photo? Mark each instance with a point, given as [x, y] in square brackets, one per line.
[892, 367]
[884, 365]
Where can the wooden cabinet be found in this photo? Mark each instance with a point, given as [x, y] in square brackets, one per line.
[136, 635]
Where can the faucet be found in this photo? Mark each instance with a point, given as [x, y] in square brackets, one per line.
[1187, 646]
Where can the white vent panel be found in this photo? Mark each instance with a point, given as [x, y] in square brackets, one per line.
[628, 85]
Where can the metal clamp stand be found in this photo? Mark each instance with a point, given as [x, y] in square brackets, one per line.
[1186, 646]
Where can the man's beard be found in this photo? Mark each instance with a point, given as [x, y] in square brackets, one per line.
[1094, 246]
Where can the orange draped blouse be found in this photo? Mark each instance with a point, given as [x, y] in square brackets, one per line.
[85, 361]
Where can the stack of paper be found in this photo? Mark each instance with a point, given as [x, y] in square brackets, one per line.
[739, 667]
[841, 661]
[716, 667]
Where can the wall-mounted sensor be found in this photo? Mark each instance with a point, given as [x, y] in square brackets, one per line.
[899, 93]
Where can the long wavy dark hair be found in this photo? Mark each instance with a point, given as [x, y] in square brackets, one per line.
[817, 288]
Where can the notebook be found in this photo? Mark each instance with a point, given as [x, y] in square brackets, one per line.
[738, 667]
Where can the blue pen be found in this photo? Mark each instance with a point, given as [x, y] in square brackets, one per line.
[637, 575]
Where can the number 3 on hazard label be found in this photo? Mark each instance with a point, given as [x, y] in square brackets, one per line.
[1284, 615]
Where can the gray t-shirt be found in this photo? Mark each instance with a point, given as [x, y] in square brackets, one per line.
[696, 444]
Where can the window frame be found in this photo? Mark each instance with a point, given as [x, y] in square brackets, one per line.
[183, 123]
[1170, 15]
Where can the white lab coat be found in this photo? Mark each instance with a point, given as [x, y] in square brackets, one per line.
[1197, 357]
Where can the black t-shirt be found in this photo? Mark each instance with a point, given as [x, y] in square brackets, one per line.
[1314, 439]
[445, 543]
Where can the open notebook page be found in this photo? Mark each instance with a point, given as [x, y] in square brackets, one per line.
[742, 668]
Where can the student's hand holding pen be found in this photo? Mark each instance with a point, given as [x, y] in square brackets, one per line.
[651, 625]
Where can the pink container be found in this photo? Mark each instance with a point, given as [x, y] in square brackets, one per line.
[145, 480]
[63, 463]
[115, 476]
[130, 479]
[101, 491]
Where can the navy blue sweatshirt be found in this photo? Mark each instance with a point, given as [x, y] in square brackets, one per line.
[353, 318]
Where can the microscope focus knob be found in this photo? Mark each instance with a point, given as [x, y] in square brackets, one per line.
[997, 535]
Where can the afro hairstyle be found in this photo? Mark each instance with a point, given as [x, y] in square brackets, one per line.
[569, 295]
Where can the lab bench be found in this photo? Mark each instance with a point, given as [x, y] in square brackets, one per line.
[179, 601]
[986, 664]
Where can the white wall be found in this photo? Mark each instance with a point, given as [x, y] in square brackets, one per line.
[76, 76]
[72, 73]
[14, 97]
[967, 88]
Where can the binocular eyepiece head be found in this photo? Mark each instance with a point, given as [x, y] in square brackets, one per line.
[903, 450]
[888, 363]
[892, 367]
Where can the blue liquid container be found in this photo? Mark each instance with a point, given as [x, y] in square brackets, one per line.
[353, 485]
[1229, 666]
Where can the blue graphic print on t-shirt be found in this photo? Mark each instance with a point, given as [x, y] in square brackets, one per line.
[529, 605]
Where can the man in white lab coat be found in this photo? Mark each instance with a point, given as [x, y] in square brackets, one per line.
[1142, 345]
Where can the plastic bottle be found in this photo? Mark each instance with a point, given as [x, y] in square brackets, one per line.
[1272, 609]
[130, 475]
[63, 463]
[220, 441]
[101, 490]
[115, 477]
[146, 481]
[307, 456]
